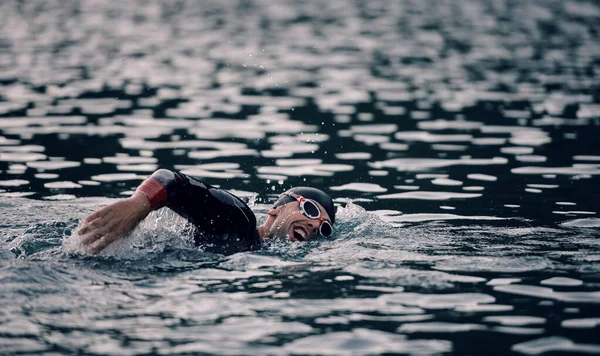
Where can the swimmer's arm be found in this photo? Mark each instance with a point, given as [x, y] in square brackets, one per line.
[114, 221]
[186, 196]
[118, 219]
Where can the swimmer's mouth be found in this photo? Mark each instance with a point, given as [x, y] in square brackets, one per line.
[299, 234]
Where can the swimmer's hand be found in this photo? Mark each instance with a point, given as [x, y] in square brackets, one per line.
[113, 222]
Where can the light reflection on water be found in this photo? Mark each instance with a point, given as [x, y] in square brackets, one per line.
[468, 131]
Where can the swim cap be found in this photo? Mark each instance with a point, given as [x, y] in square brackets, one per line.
[313, 194]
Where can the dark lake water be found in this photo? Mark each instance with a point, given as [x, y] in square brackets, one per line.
[460, 140]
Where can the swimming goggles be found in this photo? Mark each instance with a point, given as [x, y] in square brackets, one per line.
[311, 210]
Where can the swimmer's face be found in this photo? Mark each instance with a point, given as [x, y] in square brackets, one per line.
[289, 223]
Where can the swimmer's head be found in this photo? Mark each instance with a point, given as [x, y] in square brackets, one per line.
[300, 214]
[314, 194]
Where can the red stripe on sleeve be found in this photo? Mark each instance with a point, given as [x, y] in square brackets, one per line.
[155, 192]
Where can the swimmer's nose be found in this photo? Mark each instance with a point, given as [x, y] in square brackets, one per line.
[313, 227]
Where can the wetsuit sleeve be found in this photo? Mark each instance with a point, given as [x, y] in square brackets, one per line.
[214, 212]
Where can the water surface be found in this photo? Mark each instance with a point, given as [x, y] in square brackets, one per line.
[459, 140]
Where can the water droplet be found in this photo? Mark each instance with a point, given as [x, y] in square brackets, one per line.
[244, 65]
[280, 182]
[262, 67]
[292, 109]
[268, 181]
[273, 188]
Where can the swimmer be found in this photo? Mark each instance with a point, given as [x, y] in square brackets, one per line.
[221, 219]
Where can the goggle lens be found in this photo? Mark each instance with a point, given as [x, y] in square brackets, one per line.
[326, 229]
[311, 210]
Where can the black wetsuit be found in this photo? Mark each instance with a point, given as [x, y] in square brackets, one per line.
[224, 223]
